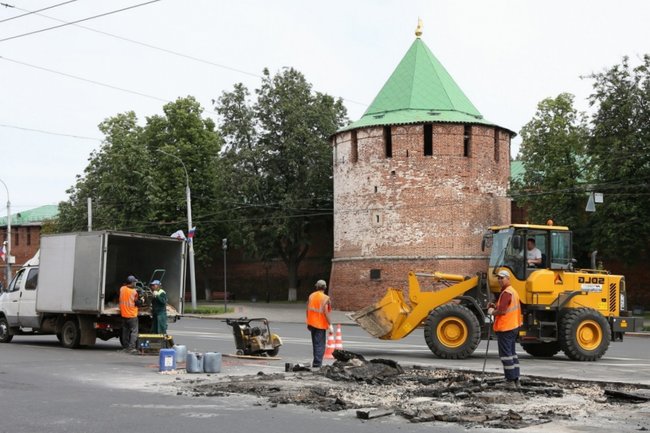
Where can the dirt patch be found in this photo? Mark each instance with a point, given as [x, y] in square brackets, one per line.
[420, 394]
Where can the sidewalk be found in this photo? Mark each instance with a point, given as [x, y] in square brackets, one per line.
[274, 312]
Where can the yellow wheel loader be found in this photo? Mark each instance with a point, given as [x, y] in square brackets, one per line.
[577, 311]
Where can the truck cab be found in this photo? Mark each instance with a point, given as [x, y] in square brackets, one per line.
[18, 303]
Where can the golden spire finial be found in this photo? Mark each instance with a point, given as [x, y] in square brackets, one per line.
[418, 30]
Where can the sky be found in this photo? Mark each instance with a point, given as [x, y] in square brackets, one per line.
[57, 85]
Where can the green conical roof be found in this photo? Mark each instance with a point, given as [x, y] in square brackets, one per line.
[420, 90]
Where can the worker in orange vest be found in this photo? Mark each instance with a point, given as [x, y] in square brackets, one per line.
[507, 321]
[129, 313]
[318, 321]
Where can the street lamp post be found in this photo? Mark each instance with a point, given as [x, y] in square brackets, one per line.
[188, 199]
[224, 245]
[8, 257]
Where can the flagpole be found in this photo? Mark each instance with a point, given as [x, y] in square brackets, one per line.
[188, 199]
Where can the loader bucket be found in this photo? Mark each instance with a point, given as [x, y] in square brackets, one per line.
[382, 318]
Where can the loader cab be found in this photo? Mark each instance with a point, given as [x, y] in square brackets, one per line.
[510, 246]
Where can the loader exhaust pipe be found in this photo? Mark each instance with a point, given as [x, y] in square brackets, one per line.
[594, 254]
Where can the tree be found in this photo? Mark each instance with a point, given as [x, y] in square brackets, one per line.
[553, 154]
[118, 180]
[619, 151]
[279, 160]
[135, 187]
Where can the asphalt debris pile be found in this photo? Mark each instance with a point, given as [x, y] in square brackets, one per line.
[370, 389]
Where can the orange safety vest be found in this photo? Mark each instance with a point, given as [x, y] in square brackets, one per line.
[317, 305]
[512, 317]
[127, 302]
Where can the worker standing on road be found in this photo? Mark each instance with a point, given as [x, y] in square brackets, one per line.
[318, 321]
[158, 308]
[507, 320]
[129, 313]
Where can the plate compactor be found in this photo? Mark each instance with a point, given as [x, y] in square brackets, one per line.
[253, 337]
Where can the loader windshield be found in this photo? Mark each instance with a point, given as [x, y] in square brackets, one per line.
[507, 251]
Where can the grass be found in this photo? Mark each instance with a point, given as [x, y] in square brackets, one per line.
[209, 309]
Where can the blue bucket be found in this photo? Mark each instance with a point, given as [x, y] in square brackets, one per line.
[167, 360]
[212, 362]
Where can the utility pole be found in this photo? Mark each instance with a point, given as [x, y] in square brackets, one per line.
[8, 257]
[188, 199]
[90, 214]
[224, 246]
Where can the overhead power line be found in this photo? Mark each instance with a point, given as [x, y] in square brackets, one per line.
[165, 50]
[98, 83]
[78, 21]
[41, 131]
[31, 12]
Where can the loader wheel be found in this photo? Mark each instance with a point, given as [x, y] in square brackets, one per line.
[542, 350]
[5, 334]
[584, 334]
[452, 331]
[70, 334]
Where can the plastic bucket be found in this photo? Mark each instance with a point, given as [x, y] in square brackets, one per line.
[212, 362]
[167, 360]
[180, 353]
[194, 362]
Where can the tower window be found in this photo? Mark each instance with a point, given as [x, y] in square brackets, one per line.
[354, 148]
[496, 144]
[428, 139]
[388, 142]
[467, 141]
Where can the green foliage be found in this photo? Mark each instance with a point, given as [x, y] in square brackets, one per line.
[564, 159]
[208, 309]
[134, 187]
[553, 153]
[278, 162]
[619, 149]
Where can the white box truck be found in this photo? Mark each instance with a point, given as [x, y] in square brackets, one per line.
[71, 287]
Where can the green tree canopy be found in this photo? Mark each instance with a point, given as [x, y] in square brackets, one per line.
[553, 153]
[135, 187]
[278, 161]
[619, 150]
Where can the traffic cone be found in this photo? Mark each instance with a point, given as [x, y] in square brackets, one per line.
[338, 343]
[329, 350]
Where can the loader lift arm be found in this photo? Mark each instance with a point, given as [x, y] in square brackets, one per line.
[392, 318]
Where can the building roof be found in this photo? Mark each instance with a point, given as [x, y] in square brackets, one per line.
[32, 216]
[420, 90]
[517, 169]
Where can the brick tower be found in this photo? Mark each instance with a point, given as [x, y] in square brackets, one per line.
[417, 180]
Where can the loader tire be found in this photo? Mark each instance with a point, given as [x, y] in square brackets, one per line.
[5, 333]
[70, 334]
[542, 350]
[584, 334]
[452, 331]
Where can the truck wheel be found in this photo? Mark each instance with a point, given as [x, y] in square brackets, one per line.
[584, 334]
[70, 334]
[542, 350]
[452, 331]
[5, 334]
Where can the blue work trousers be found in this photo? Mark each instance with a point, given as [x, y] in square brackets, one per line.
[318, 338]
[507, 354]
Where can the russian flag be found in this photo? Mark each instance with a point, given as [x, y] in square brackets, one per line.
[3, 253]
[190, 234]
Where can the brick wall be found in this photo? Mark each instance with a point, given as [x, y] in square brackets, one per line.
[414, 209]
[25, 241]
